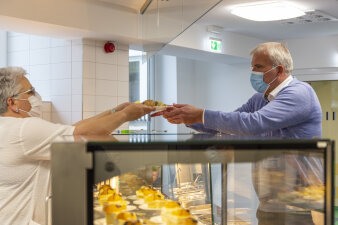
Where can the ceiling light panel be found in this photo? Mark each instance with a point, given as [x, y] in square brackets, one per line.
[267, 11]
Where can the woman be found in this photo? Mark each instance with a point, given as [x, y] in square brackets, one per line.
[25, 143]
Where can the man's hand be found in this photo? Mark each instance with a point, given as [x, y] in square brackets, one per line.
[182, 113]
[134, 111]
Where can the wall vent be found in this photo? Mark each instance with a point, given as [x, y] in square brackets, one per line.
[310, 17]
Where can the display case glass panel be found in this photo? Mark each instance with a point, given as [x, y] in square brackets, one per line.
[198, 179]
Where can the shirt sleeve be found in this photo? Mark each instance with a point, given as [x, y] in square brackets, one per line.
[288, 109]
[200, 128]
[36, 136]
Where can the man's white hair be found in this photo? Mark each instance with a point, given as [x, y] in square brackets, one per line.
[9, 84]
[278, 54]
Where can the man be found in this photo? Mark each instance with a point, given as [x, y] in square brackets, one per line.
[283, 106]
[25, 142]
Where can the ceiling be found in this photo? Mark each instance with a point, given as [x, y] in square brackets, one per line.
[130, 4]
[274, 30]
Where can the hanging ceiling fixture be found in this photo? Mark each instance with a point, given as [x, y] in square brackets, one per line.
[267, 11]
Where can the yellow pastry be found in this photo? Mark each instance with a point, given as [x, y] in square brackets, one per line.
[105, 194]
[153, 196]
[156, 204]
[144, 191]
[167, 209]
[149, 102]
[114, 197]
[180, 216]
[113, 209]
[133, 222]
[124, 217]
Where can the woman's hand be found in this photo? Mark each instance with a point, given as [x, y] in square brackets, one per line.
[134, 111]
[122, 106]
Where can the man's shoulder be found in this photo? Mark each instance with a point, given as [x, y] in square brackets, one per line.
[298, 87]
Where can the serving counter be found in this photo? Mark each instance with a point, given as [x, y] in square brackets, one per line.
[215, 179]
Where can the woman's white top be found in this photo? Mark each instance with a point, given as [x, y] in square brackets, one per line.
[25, 167]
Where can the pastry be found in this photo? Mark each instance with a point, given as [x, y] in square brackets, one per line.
[153, 196]
[124, 217]
[167, 209]
[112, 210]
[104, 194]
[180, 216]
[144, 191]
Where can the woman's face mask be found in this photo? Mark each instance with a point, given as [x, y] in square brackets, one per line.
[36, 105]
[257, 82]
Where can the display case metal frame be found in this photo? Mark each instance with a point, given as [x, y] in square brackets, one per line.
[78, 165]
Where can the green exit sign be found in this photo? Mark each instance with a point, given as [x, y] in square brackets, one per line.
[215, 45]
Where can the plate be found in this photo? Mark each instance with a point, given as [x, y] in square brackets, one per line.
[101, 221]
[156, 219]
[132, 197]
[163, 107]
[139, 202]
[145, 207]
[129, 208]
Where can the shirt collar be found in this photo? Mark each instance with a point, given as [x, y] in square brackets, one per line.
[275, 91]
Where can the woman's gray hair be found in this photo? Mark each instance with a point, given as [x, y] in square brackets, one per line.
[278, 54]
[9, 84]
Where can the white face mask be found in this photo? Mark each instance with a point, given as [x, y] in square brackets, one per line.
[36, 105]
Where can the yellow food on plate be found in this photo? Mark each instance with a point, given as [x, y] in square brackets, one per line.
[105, 190]
[144, 191]
[312, 192]
[153, 196]
[104, 193]
[180, 216]
[133, 222]
[113, 209]
[115, 197]
[124, 217]
[151, 102]
[104, 187]
[156, 204]
[167, 209]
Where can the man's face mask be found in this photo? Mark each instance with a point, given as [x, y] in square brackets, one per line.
[36, 105]
[257, 82]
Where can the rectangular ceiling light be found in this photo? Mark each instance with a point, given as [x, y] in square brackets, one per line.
[267, 11]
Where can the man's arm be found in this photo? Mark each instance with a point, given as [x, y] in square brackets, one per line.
[288, 109]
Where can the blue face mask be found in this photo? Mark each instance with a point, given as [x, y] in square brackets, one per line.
[257, 82]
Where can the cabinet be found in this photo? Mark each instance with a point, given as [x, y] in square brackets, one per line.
[220, 179]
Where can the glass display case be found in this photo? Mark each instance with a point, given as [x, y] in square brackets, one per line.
[191, 179]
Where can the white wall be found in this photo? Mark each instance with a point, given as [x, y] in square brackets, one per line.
[212, 86]
[165, 86]
[197, 37]
[77, 76]
[3, 47]
[314, 52]
[105, 78]
[49, 64]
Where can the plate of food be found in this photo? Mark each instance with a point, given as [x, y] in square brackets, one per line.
[160, 106]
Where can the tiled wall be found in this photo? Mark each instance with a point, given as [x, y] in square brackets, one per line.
[49, 64]
[105, 78]
[77, 76]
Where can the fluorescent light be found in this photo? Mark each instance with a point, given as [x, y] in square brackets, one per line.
[267, 11]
